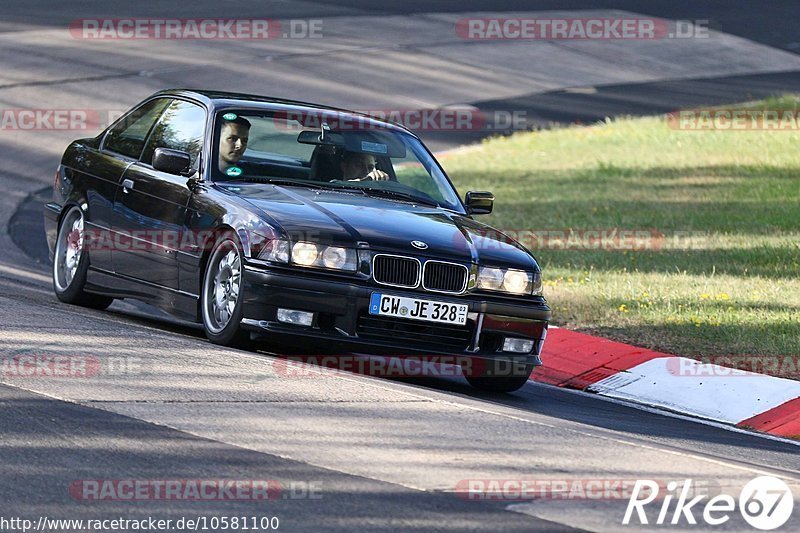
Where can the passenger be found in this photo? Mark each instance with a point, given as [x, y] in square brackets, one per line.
[232, 142]
[358, 166]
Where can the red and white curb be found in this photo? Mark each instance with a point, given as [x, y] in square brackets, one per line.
[617, 370]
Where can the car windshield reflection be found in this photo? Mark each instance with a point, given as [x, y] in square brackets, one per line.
[382, 162]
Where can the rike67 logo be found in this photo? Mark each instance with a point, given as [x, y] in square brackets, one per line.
[765, 503]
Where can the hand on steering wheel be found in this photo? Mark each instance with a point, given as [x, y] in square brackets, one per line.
[375, 175]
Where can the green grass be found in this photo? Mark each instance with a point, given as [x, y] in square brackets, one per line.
[724, 280]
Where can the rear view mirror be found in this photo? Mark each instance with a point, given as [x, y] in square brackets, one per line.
[172, 161]
[479, 202]
[373, 142]
[314, 137]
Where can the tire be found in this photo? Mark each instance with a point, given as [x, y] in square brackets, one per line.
[71, 262]
[221, 299]
[501, 383]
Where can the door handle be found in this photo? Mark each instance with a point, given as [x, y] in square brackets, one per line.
[127, 185]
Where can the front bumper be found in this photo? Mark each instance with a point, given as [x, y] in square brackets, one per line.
[342, 323]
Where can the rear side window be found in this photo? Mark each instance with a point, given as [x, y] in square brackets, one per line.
[181, 127]
[128, 136]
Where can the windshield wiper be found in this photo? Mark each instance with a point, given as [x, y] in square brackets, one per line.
[368, 191]
[284, 181]
[388, 193]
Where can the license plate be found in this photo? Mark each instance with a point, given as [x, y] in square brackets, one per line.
[416, 309]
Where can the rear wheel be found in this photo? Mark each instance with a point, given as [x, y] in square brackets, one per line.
[71, 262]
[221, 300]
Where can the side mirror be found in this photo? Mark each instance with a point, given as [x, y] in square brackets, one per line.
[172, 161]
[479, 202]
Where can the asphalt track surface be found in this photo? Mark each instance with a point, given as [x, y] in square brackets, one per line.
[380, 454]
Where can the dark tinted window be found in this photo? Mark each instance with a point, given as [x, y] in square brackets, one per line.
[181, 128]
[128, 136]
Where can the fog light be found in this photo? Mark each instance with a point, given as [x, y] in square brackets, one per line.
[511, 344]
[298, 318]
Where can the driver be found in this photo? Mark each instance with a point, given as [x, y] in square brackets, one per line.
[358, 166]
[233, 142]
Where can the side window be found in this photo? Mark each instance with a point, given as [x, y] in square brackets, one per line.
[181, 128]
[128, 136]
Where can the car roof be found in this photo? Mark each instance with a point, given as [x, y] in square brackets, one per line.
[222, 99]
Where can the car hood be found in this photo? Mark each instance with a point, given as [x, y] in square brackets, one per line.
[346, 218]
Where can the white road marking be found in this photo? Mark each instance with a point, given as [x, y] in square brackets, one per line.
[35, 276]
[672, 414]
[705, 390]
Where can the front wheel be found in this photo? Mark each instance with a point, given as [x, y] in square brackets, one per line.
[71, 262]
[221, 300]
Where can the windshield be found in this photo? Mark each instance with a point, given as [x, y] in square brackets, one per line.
[258, 146]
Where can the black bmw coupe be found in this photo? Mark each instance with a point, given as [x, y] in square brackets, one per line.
[292, 222]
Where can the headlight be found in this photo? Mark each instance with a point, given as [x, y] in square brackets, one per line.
[276, 250]
[333, 257]
[304, 253]
[509, 280]
[516, 281]
[490, 278]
